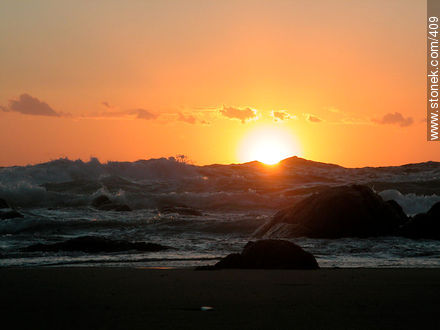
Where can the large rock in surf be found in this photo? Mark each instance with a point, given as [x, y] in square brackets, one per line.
[269, 254]
[104, 203]
[94, 244]
[345, 211]
[424, 225]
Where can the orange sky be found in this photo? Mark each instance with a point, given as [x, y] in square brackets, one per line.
[125, 80]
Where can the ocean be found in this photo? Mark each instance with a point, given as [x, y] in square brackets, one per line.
[201, 212]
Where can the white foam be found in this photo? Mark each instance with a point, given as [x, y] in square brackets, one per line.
[155, 182]
[411, 203]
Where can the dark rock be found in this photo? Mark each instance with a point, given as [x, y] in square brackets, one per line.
[233, 260]
[396, 210]
[270, 254]
[100, 201]
[93, 244]
[7, 212]
[104, 203]
[183, 210]
[345, 211]
[10, 214]
[423, 225]
[4, 204]
[434, 211]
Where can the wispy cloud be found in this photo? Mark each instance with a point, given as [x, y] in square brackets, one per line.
[144, 114]
[107, 105]
[395, 119]
[312, 118]
[243, 114]
[281, 115]
[190, 119]
[340, 116]
[128, 114]
[333, 109]
[29, 105]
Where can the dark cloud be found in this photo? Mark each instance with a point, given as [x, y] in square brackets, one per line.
[313, 119]
[395, 119]
[190, 119]
[145, 114]
[107, 105]
[240, 114]
[29, 105]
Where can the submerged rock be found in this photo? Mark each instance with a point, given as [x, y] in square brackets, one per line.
[104, 203]
[96, 244]
[424, 225]
[345, 211]
[269, 254]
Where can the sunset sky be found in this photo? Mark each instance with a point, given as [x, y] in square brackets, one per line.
[333, 81]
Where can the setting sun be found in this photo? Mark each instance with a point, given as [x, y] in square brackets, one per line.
[268, 145]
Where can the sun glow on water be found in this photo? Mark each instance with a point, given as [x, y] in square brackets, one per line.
[268, 145]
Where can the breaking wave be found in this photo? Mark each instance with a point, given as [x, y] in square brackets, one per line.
[411, 203]
[150, 184]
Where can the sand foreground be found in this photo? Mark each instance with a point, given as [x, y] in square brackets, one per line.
[127, 298]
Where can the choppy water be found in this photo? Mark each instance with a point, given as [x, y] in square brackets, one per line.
[55, 199]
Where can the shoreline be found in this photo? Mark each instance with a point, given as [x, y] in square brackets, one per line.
[139, 298]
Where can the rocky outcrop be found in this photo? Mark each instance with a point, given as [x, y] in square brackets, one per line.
[104, 203]
[345, 211]
[93, 244]
[269, 254]
[424, 225]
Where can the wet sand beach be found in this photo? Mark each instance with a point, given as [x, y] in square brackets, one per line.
[129, 298]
